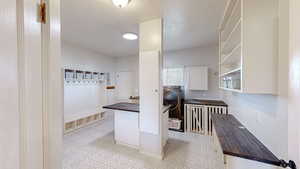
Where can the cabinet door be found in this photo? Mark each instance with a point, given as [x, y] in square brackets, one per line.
[150, 66]
[165, 129]
[197, 78]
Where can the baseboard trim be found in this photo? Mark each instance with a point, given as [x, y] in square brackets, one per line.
[157, 156]
[126, 144]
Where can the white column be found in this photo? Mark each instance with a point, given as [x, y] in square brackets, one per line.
[150, 83]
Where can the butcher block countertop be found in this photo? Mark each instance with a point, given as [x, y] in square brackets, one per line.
[124, 107]
[237, 141]
[132, 107]
[206, 102]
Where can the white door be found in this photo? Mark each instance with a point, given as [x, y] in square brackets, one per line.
[124, 85]
[149, 92]
[22, 86]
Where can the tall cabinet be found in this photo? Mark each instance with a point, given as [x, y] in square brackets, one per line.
[248, 47]
[151, 117]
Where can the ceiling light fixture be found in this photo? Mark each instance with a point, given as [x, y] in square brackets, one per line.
[121, 3]
[130, 36]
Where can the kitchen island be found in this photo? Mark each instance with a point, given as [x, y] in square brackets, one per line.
[126, 123]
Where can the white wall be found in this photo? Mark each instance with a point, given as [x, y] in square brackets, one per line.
[129, 64]
[76, 57]
[266, 115]
[202, 56]
[84, 99]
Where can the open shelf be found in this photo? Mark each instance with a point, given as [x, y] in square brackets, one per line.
[231, 47]
[233, 39]
[234, 18]
[231, 72]
[233, 57]
[227, 13]
[241, 46]
[232, 90]
[231, 80]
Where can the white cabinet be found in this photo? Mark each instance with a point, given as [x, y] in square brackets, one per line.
[165, 127]
[247, 46]
[197, 78]
[128, 135]
[150, 91]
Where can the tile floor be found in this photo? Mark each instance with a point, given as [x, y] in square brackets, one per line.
[93, 148]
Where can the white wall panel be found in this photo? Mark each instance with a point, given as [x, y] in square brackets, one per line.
[82, 99]
[9, 113]
[201, 56]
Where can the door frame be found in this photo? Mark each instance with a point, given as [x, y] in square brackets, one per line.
[53, 108]
[40, 86]
[52, 87]
[294, 81]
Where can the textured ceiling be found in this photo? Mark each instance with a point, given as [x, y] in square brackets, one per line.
[98, 25]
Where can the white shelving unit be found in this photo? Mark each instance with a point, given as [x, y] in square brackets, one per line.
[247, 46]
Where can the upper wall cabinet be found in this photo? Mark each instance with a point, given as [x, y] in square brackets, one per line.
[197, 78]
[248, 47]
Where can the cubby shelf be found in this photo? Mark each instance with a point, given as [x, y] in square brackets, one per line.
[82, 122]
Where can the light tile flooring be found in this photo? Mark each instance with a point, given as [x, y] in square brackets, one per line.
[93, 148]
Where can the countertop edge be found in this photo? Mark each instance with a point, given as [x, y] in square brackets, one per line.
[248, 157]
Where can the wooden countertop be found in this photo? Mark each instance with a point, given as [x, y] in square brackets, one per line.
[206, 102]
[133, 107]
[124, 107]
[237, 141]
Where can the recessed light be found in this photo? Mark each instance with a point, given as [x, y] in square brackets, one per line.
[130, 36]
[121, 3]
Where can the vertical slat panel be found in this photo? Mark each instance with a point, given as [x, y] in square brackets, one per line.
[185, 117]
[201, 120]
[198, 118]
[189, 118]
[193, 118]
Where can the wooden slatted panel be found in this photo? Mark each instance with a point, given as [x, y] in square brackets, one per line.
[198, 118]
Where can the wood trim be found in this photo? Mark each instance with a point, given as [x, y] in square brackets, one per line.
[110, 87]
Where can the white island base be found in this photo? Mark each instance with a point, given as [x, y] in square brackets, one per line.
[127, 128]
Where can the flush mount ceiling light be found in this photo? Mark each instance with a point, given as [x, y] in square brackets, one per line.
[121, 3]
[130, 36]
